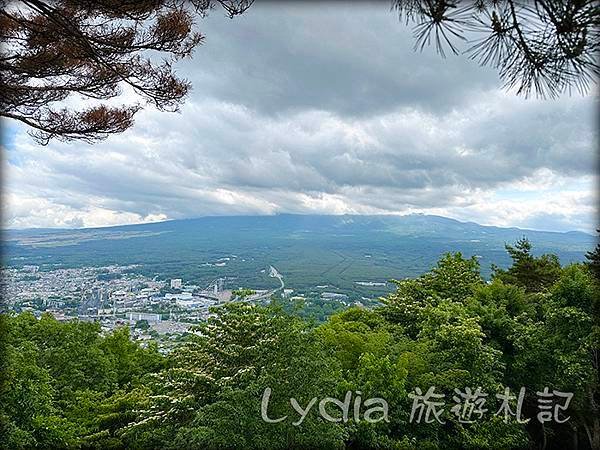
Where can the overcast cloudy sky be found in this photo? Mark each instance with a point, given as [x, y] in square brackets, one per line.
[321, 108]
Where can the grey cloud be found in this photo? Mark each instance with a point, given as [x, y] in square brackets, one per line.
[351, 58]
[416, 157]
[300, 108]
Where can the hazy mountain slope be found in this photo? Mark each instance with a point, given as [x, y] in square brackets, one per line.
[308, 250]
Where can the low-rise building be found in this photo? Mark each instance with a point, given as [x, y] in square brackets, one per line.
[148, 317]
[181, 296]
[194, 302]
[333, 296]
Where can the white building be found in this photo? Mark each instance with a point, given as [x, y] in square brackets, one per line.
[148, 317]
[118, 295]
[194, 303]
[333, 296]
[149, 292]
[176, 283]
[182, 296]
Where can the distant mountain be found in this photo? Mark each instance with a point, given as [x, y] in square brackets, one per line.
[308, 250]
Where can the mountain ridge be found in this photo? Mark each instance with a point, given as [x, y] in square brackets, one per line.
[292, 215]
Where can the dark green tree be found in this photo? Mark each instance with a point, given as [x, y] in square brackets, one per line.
[210, 396]
[593, 260]
[540, 46]
[532, 273]
[66, 385]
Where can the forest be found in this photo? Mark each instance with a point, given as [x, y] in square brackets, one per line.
[308, 250]
[513, 363]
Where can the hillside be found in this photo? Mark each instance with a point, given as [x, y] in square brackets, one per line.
[308, 250]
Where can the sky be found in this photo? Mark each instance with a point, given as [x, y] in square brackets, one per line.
[321, 108]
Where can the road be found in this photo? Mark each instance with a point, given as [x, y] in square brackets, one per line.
[274, 273]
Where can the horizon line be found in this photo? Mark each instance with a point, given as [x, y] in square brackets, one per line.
[3, 229]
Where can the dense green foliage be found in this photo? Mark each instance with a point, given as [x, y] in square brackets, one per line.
[66, 386]
[313, 309]
[593, 260]
[535, 325]
[531, 273]
[242, 293]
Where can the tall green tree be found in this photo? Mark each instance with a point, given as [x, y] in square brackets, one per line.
[532, 273]
[593, 260]
[64, 380]
[210, 396]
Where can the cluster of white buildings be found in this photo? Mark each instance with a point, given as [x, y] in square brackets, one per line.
[333, 296]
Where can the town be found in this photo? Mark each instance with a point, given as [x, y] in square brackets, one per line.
[163, 310]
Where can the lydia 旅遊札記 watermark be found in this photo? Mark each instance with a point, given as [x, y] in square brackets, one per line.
[376, 408]
[469, 405]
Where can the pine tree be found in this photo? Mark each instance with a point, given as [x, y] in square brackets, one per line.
[534, 274]
[593, 260]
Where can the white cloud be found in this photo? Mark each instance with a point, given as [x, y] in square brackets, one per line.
[35, 212]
